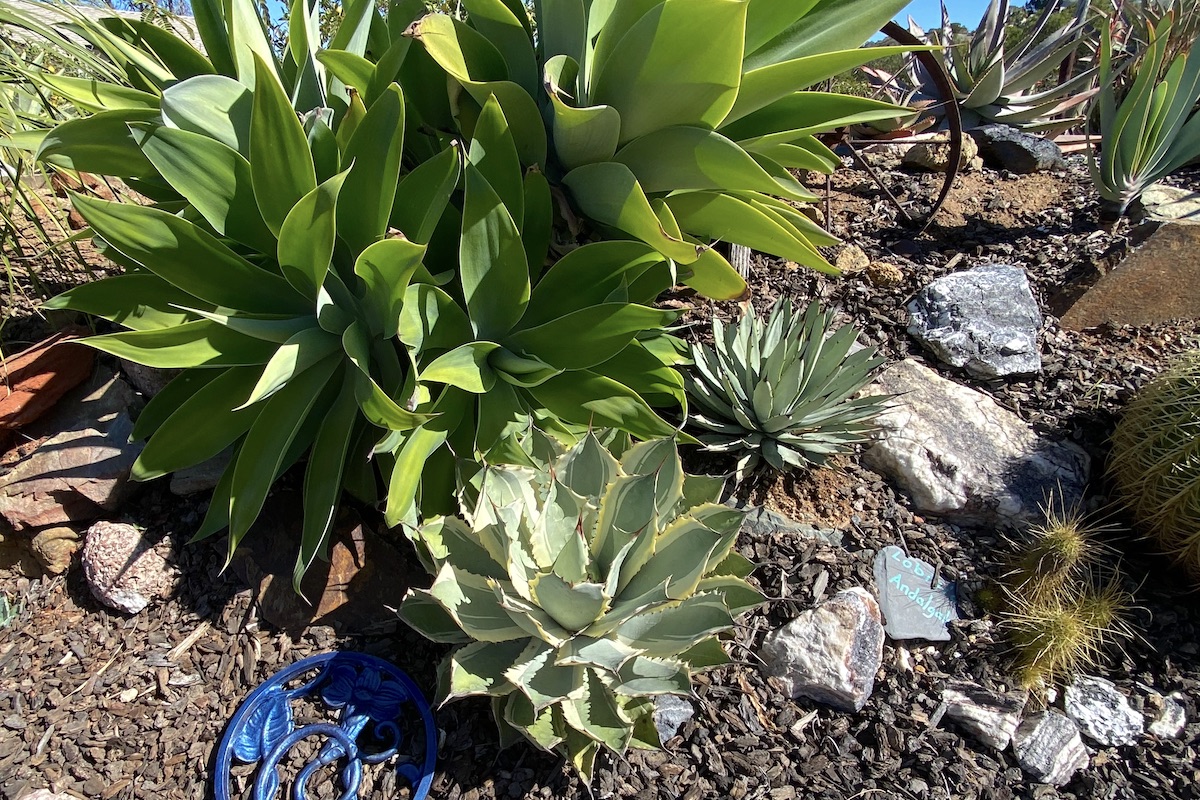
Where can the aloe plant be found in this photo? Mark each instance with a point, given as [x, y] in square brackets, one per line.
[781, 390]
[1154, 130]
[578, 590]
[994, 82]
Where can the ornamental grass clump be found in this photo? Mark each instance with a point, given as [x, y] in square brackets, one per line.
[781, 390]
[1155, 460]
[577, 591]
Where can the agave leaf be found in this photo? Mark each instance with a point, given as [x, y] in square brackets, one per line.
[280, 162]
[536, 676]
[503, 29]
[427, 616]
[644, 677]
[307, 237]
[101, 143]
[574, 606]
[604, 654]
[204, 424]
[385, 268]
[479, 668]
[540, 727]
[192, 344]
[141, 301]
[586, 276]
[666, 632]
[494, 273]
[705, 655]
[465, 367]
[494, 154]
[592, 335]
[212, 105]
[595, 713]
[586, 397]
[423, 193]
[374, 152]
[418, 446]
[790, 30]
[682, 552]
[469, 599]
[651, 83]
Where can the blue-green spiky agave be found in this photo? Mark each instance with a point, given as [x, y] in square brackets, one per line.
[577, 591]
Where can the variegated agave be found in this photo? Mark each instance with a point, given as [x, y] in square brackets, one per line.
[781, 391]
[580, 591]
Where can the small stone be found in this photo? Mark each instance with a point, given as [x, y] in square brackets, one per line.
[934, 156]
[46, 794]
[830, 653]
[1102, 712]
[763, 522]
[1049, 748]
[883, 274]
[1171, 718]
[54, 548]
[1171, 203]
[124, 569]
[914, 602]
[984, 319]
[128, 696]
[1005, 147]
[993, 718]
[851, 258]
[670, 712]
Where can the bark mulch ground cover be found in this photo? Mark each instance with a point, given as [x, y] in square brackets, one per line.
[108, 706]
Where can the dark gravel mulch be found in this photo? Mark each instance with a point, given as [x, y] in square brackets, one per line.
[114, 707]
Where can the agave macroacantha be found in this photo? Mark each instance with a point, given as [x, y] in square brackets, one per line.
[781, 391]
[579, 591]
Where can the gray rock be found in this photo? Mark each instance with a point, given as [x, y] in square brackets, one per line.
[1005, 147]
[670, 712]
[961, 455]
[147, 380]
[202, 477]
[984, 319]
[761, 521]
[830, 653]
[1102, 712]
[915, 604]
[1171, 203]
[75, 476]
[991, 717]
[1049, 749]
[1171, 718]
[124, 568]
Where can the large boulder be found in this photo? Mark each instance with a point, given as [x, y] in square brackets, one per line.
[984, 319]
[1155, 283]
[1005, 147]
[961, 455]
[829, 653]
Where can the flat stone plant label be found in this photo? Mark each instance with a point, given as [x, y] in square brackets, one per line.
[916, 603]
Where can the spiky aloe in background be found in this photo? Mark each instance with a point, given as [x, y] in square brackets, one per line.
[1155, 460]
[780, 390]
[993, 82]
[580, 590]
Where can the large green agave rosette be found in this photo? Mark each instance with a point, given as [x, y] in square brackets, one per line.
[576, 593]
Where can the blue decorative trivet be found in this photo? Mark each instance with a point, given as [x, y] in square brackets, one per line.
[381, 715]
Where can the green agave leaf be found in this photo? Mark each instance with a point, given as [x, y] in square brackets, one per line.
[212, 105]
[539, 727]
[479, 668]
[596, 714]
[589, 399]
[351, 69]
[674, 629]
[587, 276]
[193, 344]
[308, 235]
[590, 336]
[465, 367]
[492, 266]
[763, 86]
[141, 302]
[101, 143]
[713, 276]
[426, 616]
[584, 135]
[262, 456]
[249, 43]
[430, 320]
[574, 606]
[471, 602]
[538, 227]
[418, 446]
[181, 59]
[538, 678]
[300, 352]
[168, 400]
[213, 177]
[386, 268]
[588, 467]
[203, 425]
[643, 372]
[186, 256]
[323, 480]
[281, 164]
[562, 28]
[680, 158]
[705, 655]
[94, 95]
[653, 84]
[821, 27]
[739, 595]
[802, 113]
[504, 29]
[494, 154]
[423, 193]
[644, 677]
[722, 216]
[609, 193]
[210, 24]
[374, 151]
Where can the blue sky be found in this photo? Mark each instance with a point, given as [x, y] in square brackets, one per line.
[928, 13]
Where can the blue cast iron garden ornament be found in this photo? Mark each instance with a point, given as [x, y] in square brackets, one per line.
[380, 715]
